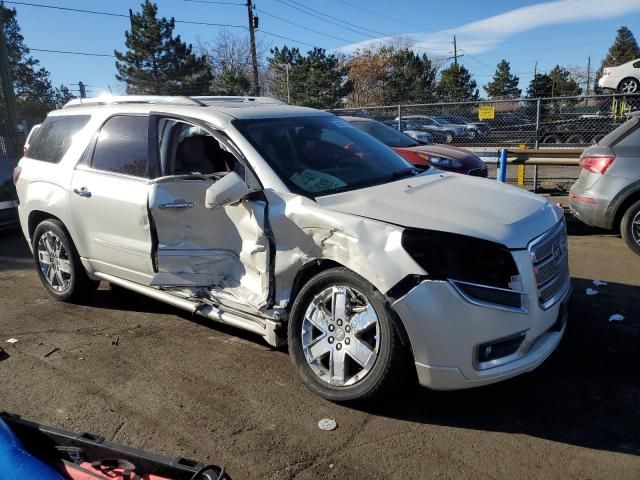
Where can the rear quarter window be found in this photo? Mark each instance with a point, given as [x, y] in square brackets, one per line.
[123, 146]
[628, 130]
[52, 140]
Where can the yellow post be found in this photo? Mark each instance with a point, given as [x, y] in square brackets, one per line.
[520, 175]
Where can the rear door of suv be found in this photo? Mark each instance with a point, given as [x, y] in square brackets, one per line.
[109, 199]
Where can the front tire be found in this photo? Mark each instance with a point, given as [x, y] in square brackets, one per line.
[342, 340]
[630, 227]
[58, 263]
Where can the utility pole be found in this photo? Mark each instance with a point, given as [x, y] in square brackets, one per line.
[588, 74]
[535, 69]
[455, 51]
[253, 24]
[7, 84]
[287, 66]
[83, 90]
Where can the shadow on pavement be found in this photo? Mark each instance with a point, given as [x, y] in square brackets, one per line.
[586, 394]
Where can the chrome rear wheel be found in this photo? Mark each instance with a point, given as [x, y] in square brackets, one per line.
[54, 262]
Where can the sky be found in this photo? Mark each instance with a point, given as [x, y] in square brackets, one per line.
[565, 32]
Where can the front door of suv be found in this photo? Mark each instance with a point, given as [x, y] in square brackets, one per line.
[109, 199]
[223, 252]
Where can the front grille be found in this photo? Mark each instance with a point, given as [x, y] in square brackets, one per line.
[550, 258]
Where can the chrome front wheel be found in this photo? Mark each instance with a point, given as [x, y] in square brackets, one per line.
[54, 262]
[340, 336]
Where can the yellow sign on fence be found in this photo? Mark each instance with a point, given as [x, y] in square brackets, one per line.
[486, 113]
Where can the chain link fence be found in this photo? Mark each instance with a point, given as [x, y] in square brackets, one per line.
[488, 125]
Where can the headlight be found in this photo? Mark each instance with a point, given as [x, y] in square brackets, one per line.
[445, 162]
[481, 271]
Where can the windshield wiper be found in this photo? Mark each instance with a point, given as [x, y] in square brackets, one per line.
[404, 173]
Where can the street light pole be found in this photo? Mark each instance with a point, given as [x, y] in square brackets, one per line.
[286, 67]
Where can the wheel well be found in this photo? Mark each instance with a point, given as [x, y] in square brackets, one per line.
[315, 267]
[35, 218]
[309, 270]
[628, 78]
[631, 199]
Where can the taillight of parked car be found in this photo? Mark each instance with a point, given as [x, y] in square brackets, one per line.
[596, 164]
[16, 174]
[606, 72]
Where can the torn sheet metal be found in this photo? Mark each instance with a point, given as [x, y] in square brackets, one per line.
[223, 249]
[304, 232]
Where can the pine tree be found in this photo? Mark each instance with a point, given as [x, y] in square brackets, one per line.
[315, 80]
[158, 63]
[34, 92]
[504, 84]
[557, 83]
[623, 49]
[456, 84]
[280, 60]
[410, 78]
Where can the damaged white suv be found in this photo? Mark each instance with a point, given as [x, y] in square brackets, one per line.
[293, 224]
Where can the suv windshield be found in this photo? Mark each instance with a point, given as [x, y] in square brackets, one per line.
[387, 135]
[318, 155]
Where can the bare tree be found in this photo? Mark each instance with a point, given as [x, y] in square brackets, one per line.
[229, 56]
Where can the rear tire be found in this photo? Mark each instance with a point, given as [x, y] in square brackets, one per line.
[630, 227]
[629, 86]
[350, 352]
[58, 263]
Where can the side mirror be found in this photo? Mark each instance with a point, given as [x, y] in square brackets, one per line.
[226, 191]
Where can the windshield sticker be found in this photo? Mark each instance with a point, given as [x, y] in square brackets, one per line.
[313, 181]
[341, 123]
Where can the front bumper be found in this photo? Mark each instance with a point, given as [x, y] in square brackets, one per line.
[445, 331]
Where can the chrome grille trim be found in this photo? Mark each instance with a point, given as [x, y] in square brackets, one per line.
[551, 271]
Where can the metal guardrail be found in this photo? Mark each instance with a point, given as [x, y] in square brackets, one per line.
[548, 169]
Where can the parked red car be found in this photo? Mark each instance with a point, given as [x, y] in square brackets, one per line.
[444, 157]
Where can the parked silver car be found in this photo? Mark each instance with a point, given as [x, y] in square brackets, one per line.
[293, 224]
[607, 193]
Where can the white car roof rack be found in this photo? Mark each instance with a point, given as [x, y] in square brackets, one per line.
[209, 99]
[120, 99]
[200, 101]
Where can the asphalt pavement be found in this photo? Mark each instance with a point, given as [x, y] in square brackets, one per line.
[144, 374]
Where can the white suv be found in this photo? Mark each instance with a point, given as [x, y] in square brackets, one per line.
[293, 224]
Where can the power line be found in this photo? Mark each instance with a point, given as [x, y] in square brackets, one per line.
[112, 14]
[302, 26]
[215, 3]
[337, 19]
[325, 20]
[381, 15]
[87, 54]
[288, 38]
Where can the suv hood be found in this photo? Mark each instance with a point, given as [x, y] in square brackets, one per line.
[453, 203]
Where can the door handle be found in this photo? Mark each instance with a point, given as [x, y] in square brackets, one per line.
[83, 192]
[176, 205]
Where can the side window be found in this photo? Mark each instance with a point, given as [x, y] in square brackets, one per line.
[53, 138]
[186, 148]
[123, 146]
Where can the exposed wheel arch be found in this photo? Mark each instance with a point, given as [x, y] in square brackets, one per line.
[623, 207]
[313, 268]
[36, 217]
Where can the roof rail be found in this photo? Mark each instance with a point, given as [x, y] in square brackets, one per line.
[209, 99]
[120, 99]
